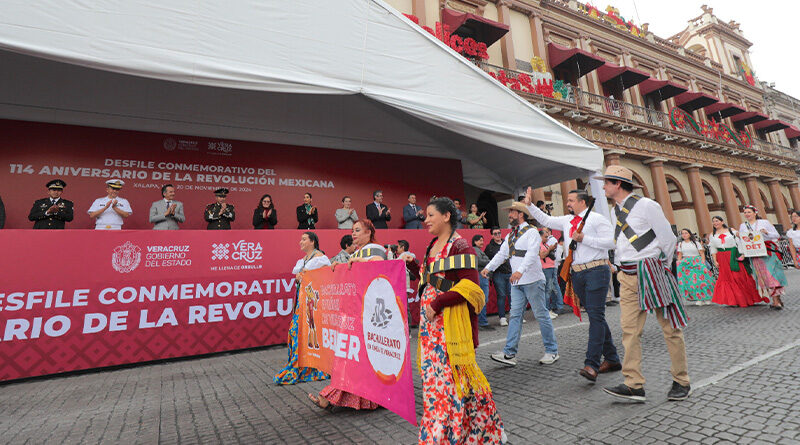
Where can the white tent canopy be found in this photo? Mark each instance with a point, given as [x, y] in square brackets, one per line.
[344, 74]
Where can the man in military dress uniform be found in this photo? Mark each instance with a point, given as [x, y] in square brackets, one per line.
[110, 210]
[220, 214]
[52, 212]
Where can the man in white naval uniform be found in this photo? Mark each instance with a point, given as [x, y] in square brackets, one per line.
[110, 210]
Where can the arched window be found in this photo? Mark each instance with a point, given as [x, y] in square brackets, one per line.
[640, 181]
[676, 194]
[739, 198]
[711, 197]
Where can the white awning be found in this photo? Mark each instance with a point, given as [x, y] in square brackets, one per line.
[344, 74]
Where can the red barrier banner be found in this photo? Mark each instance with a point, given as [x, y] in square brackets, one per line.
[82, 299]
[353, 326]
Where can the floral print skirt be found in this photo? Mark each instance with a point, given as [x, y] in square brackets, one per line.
[695, 281]
[292, 374]
[446, 419]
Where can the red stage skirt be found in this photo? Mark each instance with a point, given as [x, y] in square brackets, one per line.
[735, 288]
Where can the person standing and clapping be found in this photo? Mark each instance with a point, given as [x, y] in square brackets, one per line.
[110, 211]
[475, 220]
[265, 216]
[458, 406]
[312, 259]
[220, 214]
[166, 213]
[378, 212]
[346, 216]
[307, 215]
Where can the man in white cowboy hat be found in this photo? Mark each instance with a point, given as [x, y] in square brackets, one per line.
[527, 285]
[645, 245]
[110, 210]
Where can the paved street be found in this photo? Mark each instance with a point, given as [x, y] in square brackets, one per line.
[743, 365]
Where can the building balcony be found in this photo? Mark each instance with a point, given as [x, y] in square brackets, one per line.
[581, 106]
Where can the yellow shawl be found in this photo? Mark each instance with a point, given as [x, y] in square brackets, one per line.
[458, 337]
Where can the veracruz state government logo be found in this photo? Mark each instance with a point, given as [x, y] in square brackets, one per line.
[126, 258]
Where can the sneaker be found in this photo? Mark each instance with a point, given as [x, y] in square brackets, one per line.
[698, 303]
[503, 437]
[679, 392]
[553, 315]
[503, 321]
[564, 310]
[625, 392]
[548, 359]
[524, 320]
[612, 303]
[485, 327]
[505, 359]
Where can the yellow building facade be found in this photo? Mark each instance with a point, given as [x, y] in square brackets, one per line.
[685, 113]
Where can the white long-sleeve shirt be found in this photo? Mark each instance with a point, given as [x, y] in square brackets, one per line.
[645, 215]
[530, 266]
[598, 234]
[771, 235]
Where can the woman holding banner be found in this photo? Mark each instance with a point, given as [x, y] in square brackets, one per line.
[368, 250]
[313, 259]
[768, 270]
[735, 286]
[458, 402]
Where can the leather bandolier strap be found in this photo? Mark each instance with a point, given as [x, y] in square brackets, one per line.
[367, 253]
[454, 262]
[638, 242]
[512, 240]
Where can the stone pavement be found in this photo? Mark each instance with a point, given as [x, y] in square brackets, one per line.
[743, 365]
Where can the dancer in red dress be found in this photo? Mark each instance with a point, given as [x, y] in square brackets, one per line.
[735, 286]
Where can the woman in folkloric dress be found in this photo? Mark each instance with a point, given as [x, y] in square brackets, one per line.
[368, 250]
[694, 279]
[458, 406]
[768, 270]
[313, 259]
[794, 238]
[734, 286]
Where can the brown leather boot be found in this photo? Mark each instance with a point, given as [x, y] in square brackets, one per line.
[607, 366]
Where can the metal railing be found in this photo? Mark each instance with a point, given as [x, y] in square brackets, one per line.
[582, 100]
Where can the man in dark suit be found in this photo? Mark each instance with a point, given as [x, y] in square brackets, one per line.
[413, 215]
[52, 212]
[377, 212]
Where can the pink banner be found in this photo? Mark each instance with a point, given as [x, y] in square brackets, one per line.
[353, 325]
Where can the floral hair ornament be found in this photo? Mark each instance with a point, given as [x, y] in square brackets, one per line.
[751, 207]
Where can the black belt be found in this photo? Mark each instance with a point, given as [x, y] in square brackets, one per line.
[454, 262]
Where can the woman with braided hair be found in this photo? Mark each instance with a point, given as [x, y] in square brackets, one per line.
[458, 403]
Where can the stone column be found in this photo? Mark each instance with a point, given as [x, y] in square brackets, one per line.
[418, 9]
[751, 182]
[781, 212]
[566, 187]
[506, 44]
[612, 157]
[734, 218]
[701, 212]
[538, 195]
[660, 185]
[794, 192]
